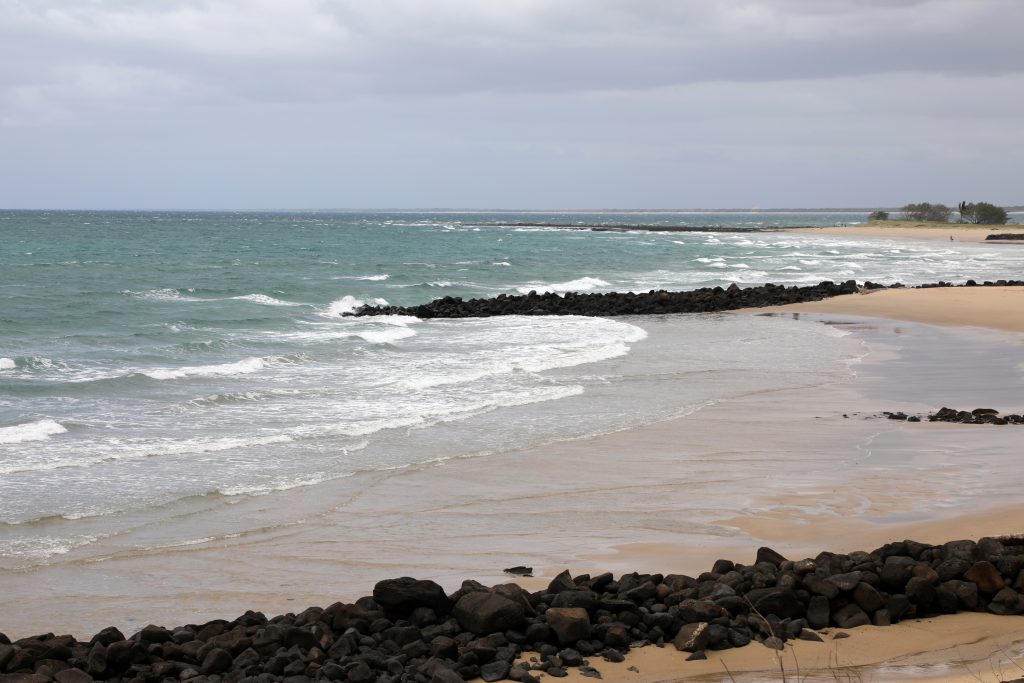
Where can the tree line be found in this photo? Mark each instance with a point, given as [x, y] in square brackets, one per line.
[975, 213]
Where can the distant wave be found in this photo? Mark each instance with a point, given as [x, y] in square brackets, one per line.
[31, 431]
[260, 299]
[242, 367]
[7, 364]
[168, 294]
[582, 284]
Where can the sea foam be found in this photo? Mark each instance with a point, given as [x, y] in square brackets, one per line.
[242, 367]
[7, 364]
[31, 431]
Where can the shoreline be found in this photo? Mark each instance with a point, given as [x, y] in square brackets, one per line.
[792, 514]
[958, 232]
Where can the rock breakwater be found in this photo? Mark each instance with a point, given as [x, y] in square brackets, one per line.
[412, 630]
[654, 302]
[978, 416]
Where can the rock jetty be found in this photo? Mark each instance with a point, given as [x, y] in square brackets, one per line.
[411, 630]
[1005, 236]
[978, 416]
[607, 304]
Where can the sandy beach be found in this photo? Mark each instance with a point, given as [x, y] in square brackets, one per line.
[960, 232]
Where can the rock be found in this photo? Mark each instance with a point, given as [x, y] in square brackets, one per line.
[778, 601]
[216, 661]
[562, 582]
[845, 582]
[72, 676]
[920, 592]
[445, 675]
[399, 597]
[986, 576]
[519, 570]
[818, 612]
[899, 606]
[495, 671]
[693, 611]
[692, 637]
[361, 673]
[774, 643]
[697, 656]
[819, 586]
[570, 657]
[966, 593]
[765, 554]
[570, 624]
[579, 597]
[867, 598]
[484, 613]
[589, 672]
[1007, 602]
[107, 636]
[851, 616]
[807, 634]
[6, 654]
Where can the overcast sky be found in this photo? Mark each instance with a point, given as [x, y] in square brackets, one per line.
[509, 103]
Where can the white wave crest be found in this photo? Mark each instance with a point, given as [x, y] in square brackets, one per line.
[242, 367]
[7, 364]
[31, 431]
[263, 299]
[166, 294]
[372, 278]
[348, 304]
[582, 284]
[387, 335]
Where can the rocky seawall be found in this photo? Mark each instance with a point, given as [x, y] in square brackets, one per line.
[412, 630]
[704, 300]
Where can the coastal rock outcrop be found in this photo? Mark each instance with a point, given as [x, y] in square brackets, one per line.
[411, 630]
[654, 302]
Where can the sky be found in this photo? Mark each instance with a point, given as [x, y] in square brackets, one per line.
[513, 104]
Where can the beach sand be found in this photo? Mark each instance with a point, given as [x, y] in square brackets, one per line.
[960, 232]
[998, 308]
[803, 470]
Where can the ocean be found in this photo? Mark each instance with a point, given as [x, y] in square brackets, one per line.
[153, 364]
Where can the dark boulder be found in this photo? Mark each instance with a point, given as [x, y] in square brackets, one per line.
[570, 624]
[484, 613]
[399, 597]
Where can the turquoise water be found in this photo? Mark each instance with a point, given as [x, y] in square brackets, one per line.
[147, 358]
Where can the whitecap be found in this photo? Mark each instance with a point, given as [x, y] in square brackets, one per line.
[582, 284]
[7, 364]
[242, 367]
[31, 431]
[264, 299]
[387, 335]
[501, 263]
[338, 308]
